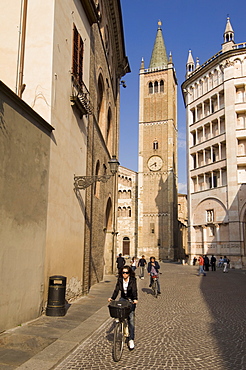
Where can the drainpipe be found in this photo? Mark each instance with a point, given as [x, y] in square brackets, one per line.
[20, 85]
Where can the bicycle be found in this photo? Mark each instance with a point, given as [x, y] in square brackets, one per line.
[120, 311]
[154, 279]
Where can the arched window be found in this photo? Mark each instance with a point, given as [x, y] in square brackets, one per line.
[161, 86]
[126, 246]
[107, 40]
[238, 68]
[97, 183]
[100, 92]
[150, 88]
[129, 212]
[210, 80]
[156, 87]
[108, 130]
[215, 77]
[124, 212]
[129, 194]
[100, 103]
[155, 145]
[108, 214]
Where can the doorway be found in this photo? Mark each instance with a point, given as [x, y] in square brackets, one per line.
[126, 246]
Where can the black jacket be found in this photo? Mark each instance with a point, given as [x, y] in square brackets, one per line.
[157, 266]
[142, 262]
[120, 262]
[132, 292]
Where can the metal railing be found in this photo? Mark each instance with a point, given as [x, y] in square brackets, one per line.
[81, 97]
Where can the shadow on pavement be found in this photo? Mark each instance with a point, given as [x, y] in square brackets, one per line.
[225, 295]
[148, 291]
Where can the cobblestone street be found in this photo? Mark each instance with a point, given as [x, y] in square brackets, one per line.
[196, 323]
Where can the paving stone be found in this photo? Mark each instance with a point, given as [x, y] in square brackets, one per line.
[196, 323]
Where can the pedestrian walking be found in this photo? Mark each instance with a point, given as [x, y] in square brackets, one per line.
[213, 263]
[225, 269]
[194, 261]
[127, 286]
[141, 263]
[221, 262]
[201, 263]
[206, 263]
[134, 264]
[120, 262]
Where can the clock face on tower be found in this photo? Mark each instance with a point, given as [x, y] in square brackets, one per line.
[155, 163]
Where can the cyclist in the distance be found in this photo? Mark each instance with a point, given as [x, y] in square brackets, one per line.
[153, 269]
[127, 286]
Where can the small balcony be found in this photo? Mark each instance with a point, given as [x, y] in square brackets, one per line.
[80, 97]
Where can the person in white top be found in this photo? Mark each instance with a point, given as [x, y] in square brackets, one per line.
[134, 263]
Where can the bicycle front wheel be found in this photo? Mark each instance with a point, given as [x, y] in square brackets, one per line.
[154, 286]
[118, 341]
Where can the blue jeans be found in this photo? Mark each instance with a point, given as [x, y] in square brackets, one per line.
[158, 283]
[141, 271]
[201, 271]
[131, 321]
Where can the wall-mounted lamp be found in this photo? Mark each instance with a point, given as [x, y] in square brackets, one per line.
[123, 83]
[83, 182]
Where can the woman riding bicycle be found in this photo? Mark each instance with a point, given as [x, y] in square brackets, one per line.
[127, 285]
[153, 269]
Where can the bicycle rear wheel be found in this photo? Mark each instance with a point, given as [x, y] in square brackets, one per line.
[118, 341]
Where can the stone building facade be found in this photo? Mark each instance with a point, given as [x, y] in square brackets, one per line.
[65, 60]
[215, 100]
[183, 226]
[157, 174]
[127, 220]
[108, 64]
[24, 180]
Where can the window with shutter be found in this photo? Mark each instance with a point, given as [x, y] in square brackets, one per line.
[78, 51]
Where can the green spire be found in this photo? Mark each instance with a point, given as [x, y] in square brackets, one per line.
[159, 54]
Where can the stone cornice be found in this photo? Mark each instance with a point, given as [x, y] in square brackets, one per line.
[90, 10]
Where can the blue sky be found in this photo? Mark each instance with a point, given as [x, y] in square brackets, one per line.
[186, 24]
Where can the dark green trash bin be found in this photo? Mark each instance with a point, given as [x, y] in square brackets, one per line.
[56, 296]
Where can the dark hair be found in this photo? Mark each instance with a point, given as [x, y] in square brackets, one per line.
[151, 258]
[129, 269]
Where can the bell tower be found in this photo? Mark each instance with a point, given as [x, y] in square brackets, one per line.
[157, 191]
